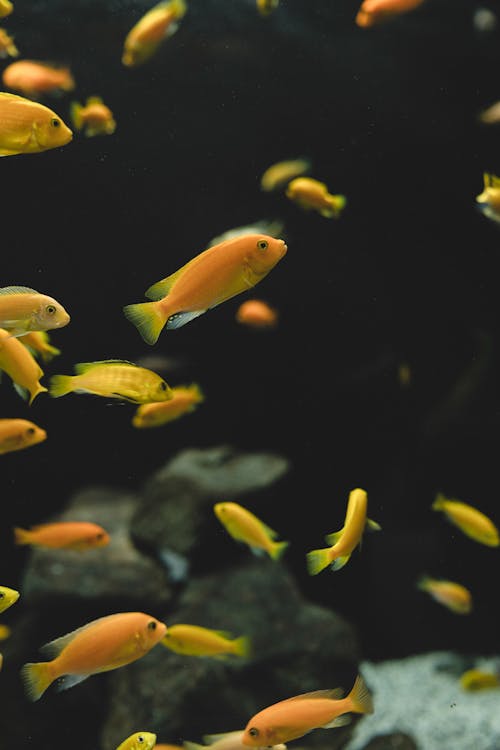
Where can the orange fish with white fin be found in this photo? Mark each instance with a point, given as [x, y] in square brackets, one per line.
[212, 277]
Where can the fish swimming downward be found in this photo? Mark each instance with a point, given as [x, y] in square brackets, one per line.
[20, 365]
[454, 596]
[212, 277]
[471, 521]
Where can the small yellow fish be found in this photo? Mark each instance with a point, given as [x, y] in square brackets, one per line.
[477, 679]
[212, 277]
[6, 8]
[20, 366]
[146, 36]
[8, 597]
[453, 595]
[278, 175]
[224, 741]
[311, 194]
[488, 202]
[265, 7]
[139, 741]
[38, 342]
[193, 640]
[23, 309]
[7, 46]
[94, 117]
[5, 632]
[17, 434]
[468, 519]
[347, 539]
[112, 378]
[185, 399]
[245, 527]
[27, 127]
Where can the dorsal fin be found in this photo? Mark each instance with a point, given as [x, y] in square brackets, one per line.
[54, 648]
[83, 367]
[18, 290]
[332, 694]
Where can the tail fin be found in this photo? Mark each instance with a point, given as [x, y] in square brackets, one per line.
[22, 536]
[278, 549]
[36, 679]
[438, 503]
[60, 385]
[317, 560]
[242, 646]
[39, 389]
[361, 698]
[179, 7]
[148, 319]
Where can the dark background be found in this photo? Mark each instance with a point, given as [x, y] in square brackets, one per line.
[409, 273]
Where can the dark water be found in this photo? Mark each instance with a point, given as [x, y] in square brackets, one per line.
[407, 274]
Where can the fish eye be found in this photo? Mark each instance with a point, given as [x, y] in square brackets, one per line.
[253, 732]
[140, 738]
[30, 431]
[99, 535]
[163, 386]
[55, 122]
[50, 309]
[2, 595]
[262, 244]
[151, 625]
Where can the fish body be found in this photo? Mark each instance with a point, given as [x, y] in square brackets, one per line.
[490, 115]
[310, 194]
[139, 741]
[94, 117]
[7, 46]
[278, 175]
[293, 718]
[20, 365]
[375, 12]
[75, 535]
[265, 7]
[23, 309]
[17, 434]
[488, 202]
[34, 78]
[453, 595]
[8, 597]
[347, 539]
[27, 127]
[212, 277]
[223, 741]
[38, 342]
[185, 399]
[474, 680]
[469, 520]
[245, 527]
[256, 313]
[193, 640]
[113, 378]
[99, 646]
[6, 8]
[146, 36]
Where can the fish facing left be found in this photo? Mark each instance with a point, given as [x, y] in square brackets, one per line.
[28, 127]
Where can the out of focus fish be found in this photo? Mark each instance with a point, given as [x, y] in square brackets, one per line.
[7, 46]
[490, 115]
[374, 12]
[223, 741]
[185, 399]
[245, 527]
[5, 632]
[255, 313]
[310, 194]
[474, 680]
[6, 8]
[484, 20]
[272, 227]
[23, 309]
[488, 202]
[146, 36]
[347, 539]
[93, 117]
[265, 7]
[278, 175]
[469, 520]
[139, 741]
[35, 78]
[112, 378]
[8, 597]
[27, 127]
[75, 535]
[99, 646]
[194, 640]
[20, 365]
[453, 595]
[17, 434]
[38, 342]
[214, 276]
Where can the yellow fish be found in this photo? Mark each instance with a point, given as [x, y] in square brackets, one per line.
[139, 741]
[112, 378]
[8, 597]
[5, 632]
[245, 527]
[23, 309]
[146, 36]
[453, 595]
[280, 174]
[94, 117]
[477, 679]
[223, 741]
[17, 434]
[311, 194]
[347, 539]
[468, 519]
[265, 7]
[488, 202]
[20, 366]
[7, 46]
[193, 640]
[28, 127]
[214, 276]
[185, 399]
[38, 342]
[6, 8]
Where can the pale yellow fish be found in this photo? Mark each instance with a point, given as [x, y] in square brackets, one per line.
[17, 434]
[23, 309]
[20, 365]
[112, 378]
[469, 520]
[139, 741]
[454, 596]
[185, 399]
[194, 640]
[245, 527]
[224, 741]
[8, 597]
[38, 342]
[28, 127]
[278, 175]
[474, 680]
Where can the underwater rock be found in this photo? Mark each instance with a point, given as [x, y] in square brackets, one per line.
[397, 741]
[296, 647]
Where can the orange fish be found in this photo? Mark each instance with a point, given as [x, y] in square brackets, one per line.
[453, 595]
[373, 12]
[214, 276]
[185, 399]
[144, 39]
[99, 646]
[94, 118]
[27, 127]
[256, 313]
[16, 434]
[7, 46]
[293, 718]
[34, 78]
[20, 365]
[75, 535]
[310, 194]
